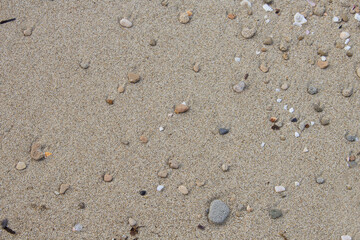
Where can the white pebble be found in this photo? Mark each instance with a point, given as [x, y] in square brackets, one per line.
[336, 20]
[277, 90]
[297, 134]
[357, 17]
[77, 228]
[285, 107]
[323, 58]
[345, 237]
[312, 123]
[267, 8]
[305, 150]
[267, 20]
[291, 110]
[299, 20]
[347, 41]
[161, 129]
[237, 59]
[258, 52]
[347, 48]
[279, 189]
[262, 144]
[170, 114]
[125, 23]
[297, 184]
[160, 188]
[279, 100]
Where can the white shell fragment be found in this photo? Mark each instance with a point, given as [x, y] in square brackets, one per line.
[297, 134]
[299, 20]
[357, 17]
[347, 48]
[279, 189]
[267, 8]
[336, 19]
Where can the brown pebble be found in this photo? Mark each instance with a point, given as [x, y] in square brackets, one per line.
[264, 68]
[349, 54]
[322, 64]
[324, 120]
[20, 166]
[282, 138]
[352, 158]
[109, 101]
[163, 174]
[64, 188]
[184, 18]
[27, 32]
[153, 42]
[273, 119]
[121, 89]
[231, 16]
[284, 46]
[143, 139]
[183, 190]
[268, 41]
[36, 152]
[249, 209]
[181, 108]
[263, 49]
[237, 214]
[344, 17]
[339, 44]
[196, 67]
[133, 77]
[108, 178]
[174, 164]
[285, 56]
[301, 37]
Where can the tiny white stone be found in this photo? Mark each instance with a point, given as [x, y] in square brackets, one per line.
[297, 134]
[344, 35]
[267, 8]
[299, 20]
[277, 90]
[291, 110]
[285, 107]
[297, 184]
[160, 188]
[262, 144]
[267, 20]
[170, 114]
[237, 59]
[312, 123]
[305, 150]
[323, 58]
[57, 193]
[279, 100]
[307, 32]
[345, 237]
[125, 23]
[336, 20]
[357, 17]
[77, 228]
[279, 189]
[347, 48]
[161, 129]
[258, 52]
[347, 41]
[183, 103]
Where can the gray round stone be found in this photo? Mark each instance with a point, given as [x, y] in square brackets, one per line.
[218, 212]
[275, 213]
[312, 90]
[320, 180]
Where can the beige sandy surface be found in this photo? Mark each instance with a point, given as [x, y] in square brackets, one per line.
[47, 97]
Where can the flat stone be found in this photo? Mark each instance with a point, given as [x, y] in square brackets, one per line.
[318, 107]
[199, 183]
[174, 164]
[218, 212]
[163, 173]
[20, 166]
[358, 72]
[132, 222]
[322, 64]
[121, 89]
[312, 90]
[264, 68]
[36, 151]
[181, 108]
[223, 131]
[108, 178]
[248, 32]
[133, 77]
[239, 87]
[275, 213]
[344, 35]
[320, 180]
[325, 120]
[184, 18]
[268, 41]
[284, 86]
[347, 92]
[64, 188]
[351, 138]
[125, 23]
[183, 190]
[344, 17]
[196, 67]
[319, 10]
[345, 237]
[27, 32]
[279, 189]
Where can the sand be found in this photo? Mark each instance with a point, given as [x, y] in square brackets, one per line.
[47, 97]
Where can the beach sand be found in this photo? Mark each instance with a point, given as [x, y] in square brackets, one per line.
[47, 97]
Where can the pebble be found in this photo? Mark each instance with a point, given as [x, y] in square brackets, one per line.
[231, 16]
[249, 209]
[319, 10]
[225, 167]
[63, 188]
[344, 17]
[239, 87]
[218, 212]
[223, 131]
[291, 110]
[325, 120]
[196, 67]
[77, 228]
[358, 72]
[347, 48]
[36, 152]
[344, 35]
[299, 19]
[339, 45]
[297, 184]
[279, 189]
[143, 139]
[237, 59]
[160, 188]
[351, 138]
[125, 23]
[284, 46]
[183, 190]
[132, 222]
[345, 237]
[27, 32]
[248, 32]
[320, 180]
[82, 205]
[268, 41]
[133, 77]
[312, 90]
[85, 63]
[336, 19]
[264, 68]
[322, 64]
[323, 58]
[108, 178]
[275, 213]
[109, 101]
[20, 166]
[347, 92]
[161, 129]
[184, 18]
[174, 164]
[199, 183]
[317, 107]
[279, 100]
[163, 174]
[153, 42]
[121, 89]
[142, 192]
[181, 108]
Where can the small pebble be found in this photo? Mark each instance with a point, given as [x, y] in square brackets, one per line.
[291, 110]
[317, 107]
[275, 213]
[239, 87]
[297, 184]
[183, 190]
[142, 192]
[132, 222]
[237, 59]
[323, 58]
[199, 183]
[336, 19]
[249, 209]
[264, 68]
[345, 237]
[279, 100]
[248, 32]
[223, 131]
[279, 189]
[64, 188]
[347, 48]
[160, 188]
[284, 86]
[161, 129]
[320, 180]
[181, 108]
[84, 64]
[312, 90]
[153, 42]
[133, 77]
[231, 16]
[344, 35]
[143, 139]
[268, 41]
[121, 89]
[347, 92]
[82, 205]
[284, 46]
[174, 164]
[125, 23]
[218, 212]
[196, 67]
[27, 32]
[20, 166]
[184, 18]
[344, 17]
[109, 101]
[77, 228]
[297, 134]
[163, 174]
[351, 138]
[358, 72]
[319, 10]
[225, 167]
[322, 64]
[325, 120]
[108, 178]
[36, 152]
